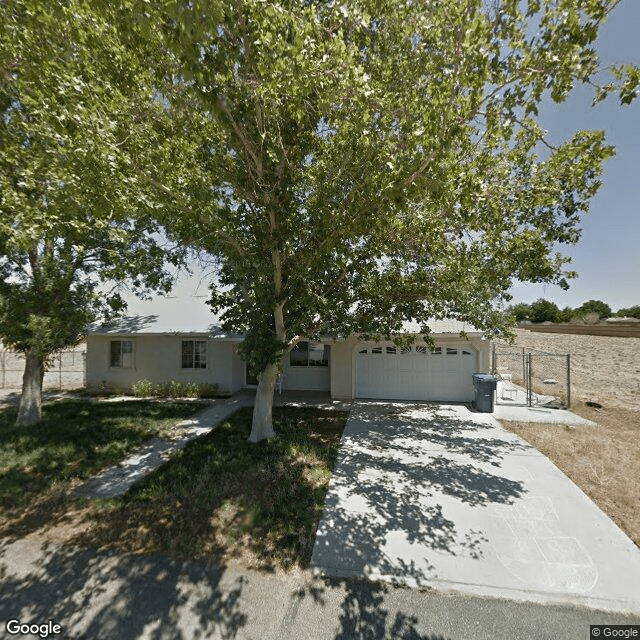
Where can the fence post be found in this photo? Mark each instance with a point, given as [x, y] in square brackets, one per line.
[493, 360]
[3, 367]
[524, 370]
[568, 380]
[530, 382]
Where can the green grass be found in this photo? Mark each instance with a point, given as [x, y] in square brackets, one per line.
[223, 497]
[75, 439]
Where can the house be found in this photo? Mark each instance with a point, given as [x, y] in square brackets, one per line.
[145, 347]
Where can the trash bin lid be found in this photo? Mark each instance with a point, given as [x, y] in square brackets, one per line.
[484, 377]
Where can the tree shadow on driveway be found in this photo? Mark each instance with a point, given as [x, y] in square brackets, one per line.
[404, 480]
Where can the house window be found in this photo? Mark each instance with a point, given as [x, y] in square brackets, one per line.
[194, 354]
[309, 354]
[121, 354]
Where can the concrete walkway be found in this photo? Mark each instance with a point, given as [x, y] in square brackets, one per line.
[117, 480]
[438, 496]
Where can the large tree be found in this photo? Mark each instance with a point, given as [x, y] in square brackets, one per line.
[355, 165]
[77, 118]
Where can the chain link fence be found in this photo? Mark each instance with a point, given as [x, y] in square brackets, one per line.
[66, 371]
[532, 378]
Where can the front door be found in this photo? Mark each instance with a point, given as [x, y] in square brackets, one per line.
[250, 379]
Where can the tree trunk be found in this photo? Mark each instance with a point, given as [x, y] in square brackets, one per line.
[30, 410]
[262, 426]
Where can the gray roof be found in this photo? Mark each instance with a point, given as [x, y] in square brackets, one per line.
[153, 324]
[441, 326]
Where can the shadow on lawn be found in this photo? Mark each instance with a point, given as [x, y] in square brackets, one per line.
[222, 497]
[75, 439]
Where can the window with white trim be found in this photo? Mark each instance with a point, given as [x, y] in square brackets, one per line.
[309, 354]
[121, 354]
[194, 354]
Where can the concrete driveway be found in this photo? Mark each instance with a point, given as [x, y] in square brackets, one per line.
[435, 495]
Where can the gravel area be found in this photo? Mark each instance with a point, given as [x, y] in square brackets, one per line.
[603, 369]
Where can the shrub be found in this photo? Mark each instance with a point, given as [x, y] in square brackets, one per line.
[142, 388]
[174, 389]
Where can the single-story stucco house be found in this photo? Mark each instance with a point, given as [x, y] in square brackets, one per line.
[143, 347]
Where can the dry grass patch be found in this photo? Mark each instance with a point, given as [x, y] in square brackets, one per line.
[601, 460]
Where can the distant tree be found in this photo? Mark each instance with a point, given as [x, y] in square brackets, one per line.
[594, 306]
[565, 315]
[75, 121]
[520, 311]
[543, 311]
[629, 312]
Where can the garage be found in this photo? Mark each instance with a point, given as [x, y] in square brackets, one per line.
[416, 372]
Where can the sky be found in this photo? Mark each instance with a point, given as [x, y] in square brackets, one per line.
[607, 258]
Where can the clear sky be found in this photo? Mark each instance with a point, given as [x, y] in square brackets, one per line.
[608, 256]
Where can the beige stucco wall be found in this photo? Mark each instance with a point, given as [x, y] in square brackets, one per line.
[158, 358]
[342, 359]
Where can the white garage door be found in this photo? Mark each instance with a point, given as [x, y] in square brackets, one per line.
[416, 372]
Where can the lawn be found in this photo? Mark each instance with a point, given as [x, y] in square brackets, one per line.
[219, 500]
[601, 460]
[75, 439]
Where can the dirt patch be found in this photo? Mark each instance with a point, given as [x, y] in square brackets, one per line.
[601, 460]
[604, 369]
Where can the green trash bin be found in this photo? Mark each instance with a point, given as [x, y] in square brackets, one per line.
[485, 386]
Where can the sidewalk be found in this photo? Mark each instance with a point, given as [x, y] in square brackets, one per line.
[93, 595]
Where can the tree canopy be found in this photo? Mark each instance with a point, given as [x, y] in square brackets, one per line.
[352, 166]
[594, 306]
[78, 116]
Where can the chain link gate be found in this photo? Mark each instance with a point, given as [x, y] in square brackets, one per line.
[528, 377]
